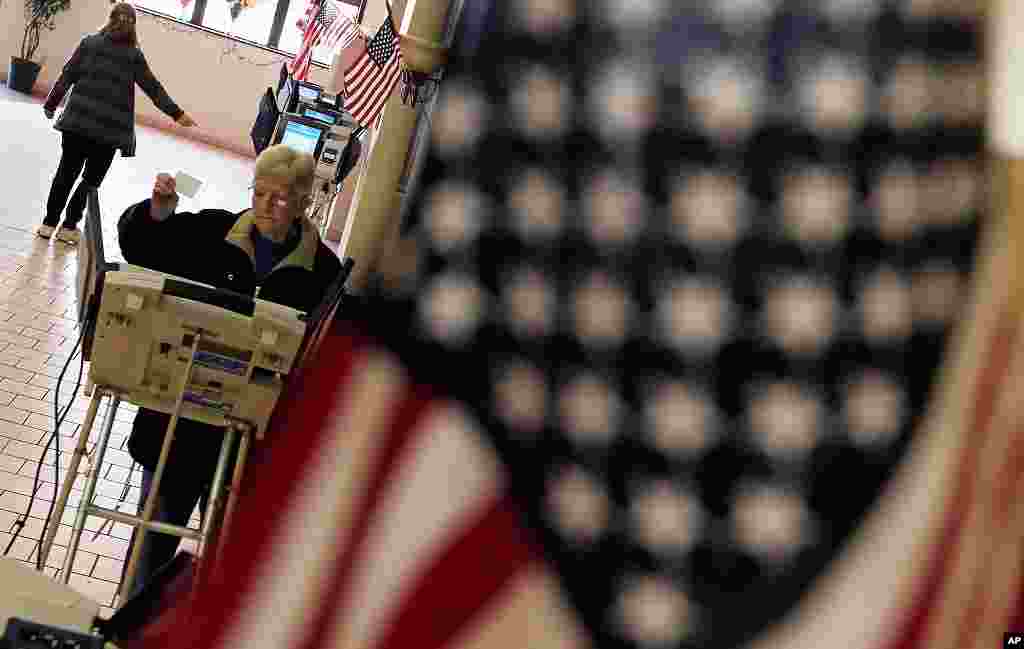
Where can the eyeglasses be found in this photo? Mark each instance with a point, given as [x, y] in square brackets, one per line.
[277, 199]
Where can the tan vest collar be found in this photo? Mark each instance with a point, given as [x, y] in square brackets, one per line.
[303, 256]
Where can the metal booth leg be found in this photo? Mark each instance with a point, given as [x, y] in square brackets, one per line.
[90, 486]
[69, 477]
[212, 519]
[213, 514]
[147, 511]
[219, 516]
[236, 478]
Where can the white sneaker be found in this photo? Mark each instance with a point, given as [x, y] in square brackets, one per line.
[45, 231]
[69, 236]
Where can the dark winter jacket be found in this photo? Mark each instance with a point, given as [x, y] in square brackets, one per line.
[101, 76]
[214, 247]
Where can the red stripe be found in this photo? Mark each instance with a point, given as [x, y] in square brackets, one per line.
[269, 488]
[1017, 612]
[408, 416]
[300, 65]
[993, 375]
[457, 589]
[1008, 477]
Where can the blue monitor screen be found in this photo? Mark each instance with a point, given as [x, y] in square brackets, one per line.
[308, 94]
[301, 137]
[319, 116]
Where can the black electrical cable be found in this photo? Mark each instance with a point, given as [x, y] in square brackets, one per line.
[59, 417]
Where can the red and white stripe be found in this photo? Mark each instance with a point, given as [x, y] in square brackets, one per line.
[375, 501]
[339, 34]
[367, 86]
[311, 31]
[312, 8]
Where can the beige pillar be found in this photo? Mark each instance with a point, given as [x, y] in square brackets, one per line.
[372, 224]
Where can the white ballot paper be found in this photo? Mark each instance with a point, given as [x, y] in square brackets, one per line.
[187, 185]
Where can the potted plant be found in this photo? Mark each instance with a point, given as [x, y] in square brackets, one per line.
[39, 15]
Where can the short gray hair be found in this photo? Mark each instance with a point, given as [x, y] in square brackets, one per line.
[285, 163]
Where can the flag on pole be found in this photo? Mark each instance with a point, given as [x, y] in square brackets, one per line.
[311, 28]
[309, 15]
[371, 72]
[341, 33]
[319, 22]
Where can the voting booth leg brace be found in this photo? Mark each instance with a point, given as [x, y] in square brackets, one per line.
[145, 523]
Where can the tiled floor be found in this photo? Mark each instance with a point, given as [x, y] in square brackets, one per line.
[38, 330]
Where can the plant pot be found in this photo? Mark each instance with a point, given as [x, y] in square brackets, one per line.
[22, 74]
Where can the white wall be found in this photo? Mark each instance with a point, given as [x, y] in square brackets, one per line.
[218, 81]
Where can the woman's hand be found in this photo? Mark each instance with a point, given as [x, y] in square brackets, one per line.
[164, 199]
[186, 121]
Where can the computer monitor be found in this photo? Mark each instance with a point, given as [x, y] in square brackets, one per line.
[320, 116]
[309, 93]
[302, 134]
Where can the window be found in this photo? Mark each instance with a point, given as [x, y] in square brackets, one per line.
[268, 23]
[291, 37]
[169, 7]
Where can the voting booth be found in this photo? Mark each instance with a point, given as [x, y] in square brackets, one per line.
[188, 350]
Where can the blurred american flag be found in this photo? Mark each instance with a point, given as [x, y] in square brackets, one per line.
[699, 348]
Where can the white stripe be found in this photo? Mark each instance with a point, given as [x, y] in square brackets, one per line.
[1005, 87]
[294, 579]
[447, 478]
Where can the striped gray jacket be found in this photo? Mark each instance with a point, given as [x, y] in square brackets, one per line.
[101, 76]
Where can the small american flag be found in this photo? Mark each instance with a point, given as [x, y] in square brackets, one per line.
[312, 8]
[340, 33]
[372, 70]
[318, 23]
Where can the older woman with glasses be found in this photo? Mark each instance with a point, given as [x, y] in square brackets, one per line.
[271, 250]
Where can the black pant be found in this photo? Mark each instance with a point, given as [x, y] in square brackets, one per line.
[76, 152]
[174, 506]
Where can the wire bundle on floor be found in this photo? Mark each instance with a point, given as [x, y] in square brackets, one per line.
[54, 439]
